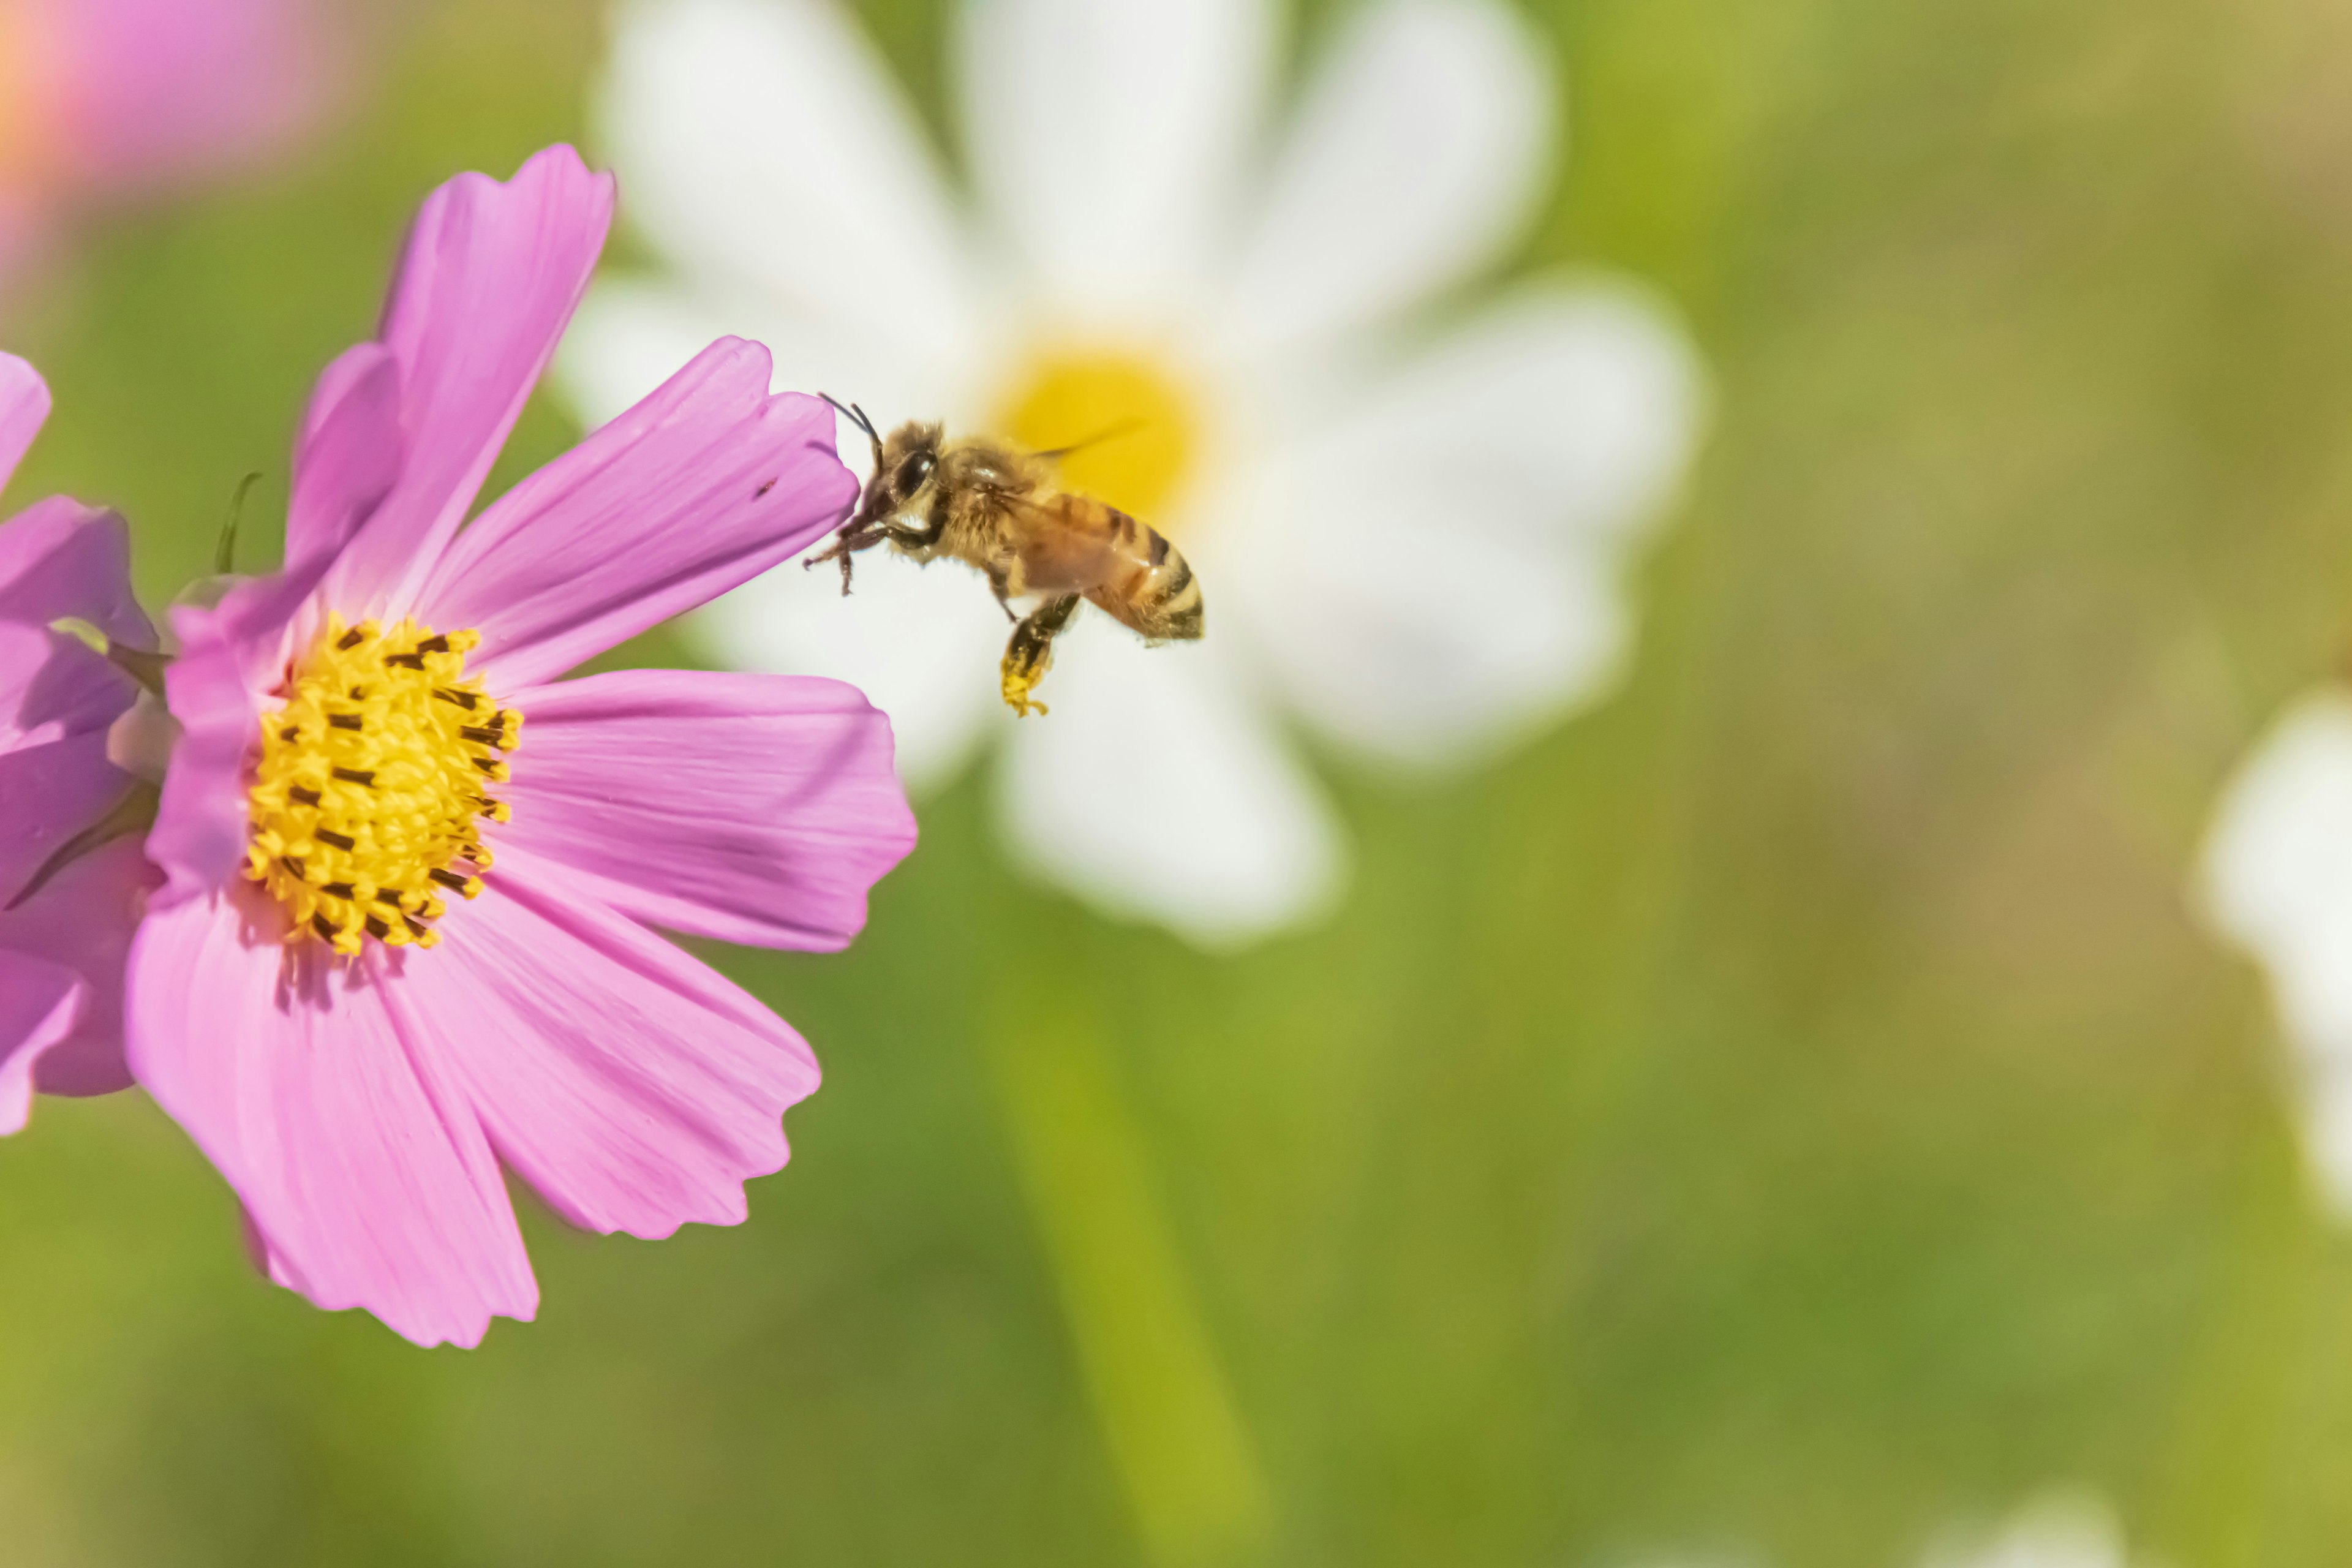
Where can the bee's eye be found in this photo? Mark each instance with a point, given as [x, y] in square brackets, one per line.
[915, 472]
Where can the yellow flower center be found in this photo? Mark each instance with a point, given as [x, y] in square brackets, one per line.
[1132, 422]
[373, 783]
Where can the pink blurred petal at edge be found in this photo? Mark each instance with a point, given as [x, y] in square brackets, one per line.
[633, 1088]
[490, 277]
[54, 779]
[350, 1144]
[756, 809]
[39, 1005]
[154, 91]
[58, 701]
[82, 918]
[705, 483]
[83, 922]
[23, 409]
[57, 558]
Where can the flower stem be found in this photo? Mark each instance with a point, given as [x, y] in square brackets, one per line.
[1166, 1409]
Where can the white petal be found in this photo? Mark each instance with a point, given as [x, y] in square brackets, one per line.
[1439, 573]
[2328, 1128]
[626, 339]
[2278, 880]
[1418, 150]
[922, 643]
[2069, 1528]
[1157, 790]
[630, 336]
[761, 143]
[1106, 136]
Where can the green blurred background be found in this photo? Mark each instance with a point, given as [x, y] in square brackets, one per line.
[1783, 1112]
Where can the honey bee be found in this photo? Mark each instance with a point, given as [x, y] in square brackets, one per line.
[998, 509]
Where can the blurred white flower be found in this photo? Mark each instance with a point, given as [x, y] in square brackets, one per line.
[2063, 1528]
[2066, 1527]
[2278, 881]
[1413, 542]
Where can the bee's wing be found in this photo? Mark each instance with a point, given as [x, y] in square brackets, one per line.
[1068, 544]
[1108, 433]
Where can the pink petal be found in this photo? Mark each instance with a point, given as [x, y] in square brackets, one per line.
[704, 485]
[59, 558]
[342, 1133]
[62, 560]
[39, 1004]
[82, 922]
[49, 790]
[348, 458]
[627, 1082]
[24, 407]
[751, 808]
[57, 698]
[58, 701]
[200, 828]
[492, 274]
[228, 655]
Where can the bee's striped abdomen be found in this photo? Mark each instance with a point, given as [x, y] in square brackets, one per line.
[1149, 586]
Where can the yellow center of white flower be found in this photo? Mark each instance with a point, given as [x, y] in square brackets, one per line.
[1132, 420]
[373, 783]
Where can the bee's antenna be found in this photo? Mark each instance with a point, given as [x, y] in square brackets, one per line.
[855, 415]
[225, 553]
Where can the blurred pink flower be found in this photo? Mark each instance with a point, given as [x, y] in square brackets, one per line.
[99, 99]
[62, 949]
[354, 750]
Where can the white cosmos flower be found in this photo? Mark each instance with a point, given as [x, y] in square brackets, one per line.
[1410, 539]
[2061, 1529]
[2278, 881]
[2065, 1527]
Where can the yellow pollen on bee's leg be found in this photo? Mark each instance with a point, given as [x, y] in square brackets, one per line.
[1017, 687]
[367, 802]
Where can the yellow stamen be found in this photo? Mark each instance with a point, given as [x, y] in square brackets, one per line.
[373, 784]
[1132, 419]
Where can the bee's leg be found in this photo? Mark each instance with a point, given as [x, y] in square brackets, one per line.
[1030, 654]
[1002, 588]
[846, 544]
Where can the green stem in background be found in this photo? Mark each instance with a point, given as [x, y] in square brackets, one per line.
[2267, 1362]
[1167, 1412]
[224, 550]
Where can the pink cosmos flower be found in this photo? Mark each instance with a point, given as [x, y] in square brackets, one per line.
[62, 949]
[100, 98]
[404, 940]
